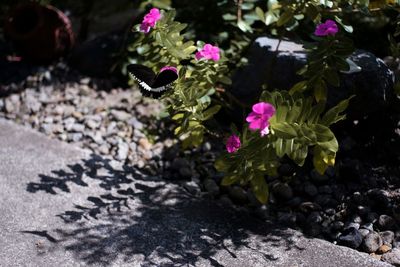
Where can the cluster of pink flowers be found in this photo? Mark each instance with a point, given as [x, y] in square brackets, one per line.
[208, 52]
[328, 28]
[233, 143]
[149, 21]
[258, 119]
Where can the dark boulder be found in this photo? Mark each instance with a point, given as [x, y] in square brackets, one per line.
[275, 64]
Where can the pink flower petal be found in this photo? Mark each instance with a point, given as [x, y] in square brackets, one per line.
[329, 27]
[255, 125]
[150, 19]
[233, 144]
[252, 117]
[264, 108]
[264, 131]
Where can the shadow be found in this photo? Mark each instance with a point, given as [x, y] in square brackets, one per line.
[42, 234]
[147, 221]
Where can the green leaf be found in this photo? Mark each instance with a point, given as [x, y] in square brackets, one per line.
[320, 91]
[229, 179]
[284, 130]
[324, 134]
[298, 87]
[225, 80]
[244, 26]
[229, 17]
[178, 116]
[332, 115]
[285, 17]
[260, 188]
[210, 112]
[260, 13]
[332, 77]
[221, 164]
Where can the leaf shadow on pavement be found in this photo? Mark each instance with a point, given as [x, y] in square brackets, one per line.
[146, 220]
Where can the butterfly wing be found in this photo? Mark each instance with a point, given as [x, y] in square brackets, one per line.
[141, 73]
[150, 84]
[165, 78]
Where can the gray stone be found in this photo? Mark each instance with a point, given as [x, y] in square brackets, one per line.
[310, 189]
[318, 178]
[286, 169]
[192, 187]
[12, 103]
[386, 222]
[104, 149]
[123, 150]
[396, 242]
[287, 218]
[135, 123]
[77, 127]
[372, 217]
[179, 163]
[364, 232]
[350, 238]
[392, 257]
[238, 194]
[368, 226]
[206, 146]
[32, 103]
[211, 187]
[92, 124]
[112, 128]
[185, 172]
[314, 217]
[294, 202]
[362, 210]
[325, 189]
[97, 137]
[226, 201]
[282, 190]
[337, 225]
[372, 242]
[46, 128]
[357, 198]
[120, 115]
[309, 206]
[74, 137]
[387, 237]
[356, 219]
[352, 225]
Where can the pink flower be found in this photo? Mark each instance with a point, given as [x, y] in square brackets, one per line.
[259, 117]
[169, 68]
[208, 52]
[233, 143]
[328, 28]
[149, 21]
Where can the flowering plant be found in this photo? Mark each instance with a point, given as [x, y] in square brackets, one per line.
[280, 124]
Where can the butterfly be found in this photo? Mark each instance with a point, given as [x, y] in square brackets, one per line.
[151, 84]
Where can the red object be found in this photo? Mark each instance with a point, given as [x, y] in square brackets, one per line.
[39, 33]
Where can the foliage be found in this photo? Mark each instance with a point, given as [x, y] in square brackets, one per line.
[189, 104]
[301, 124]
[297, 126]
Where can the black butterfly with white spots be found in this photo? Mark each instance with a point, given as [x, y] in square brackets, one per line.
[151, 84]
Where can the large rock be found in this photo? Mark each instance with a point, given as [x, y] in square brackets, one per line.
[275, 63]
